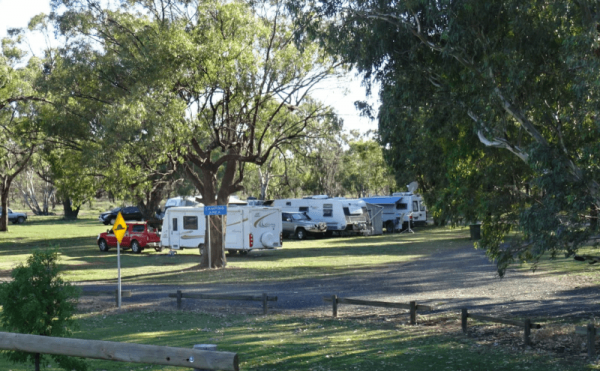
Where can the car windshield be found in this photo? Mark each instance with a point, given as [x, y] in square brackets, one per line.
[300, 217]
[115, 210]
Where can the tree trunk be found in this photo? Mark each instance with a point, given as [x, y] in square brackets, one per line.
[70, 213]
[593, 218]
[4, 216]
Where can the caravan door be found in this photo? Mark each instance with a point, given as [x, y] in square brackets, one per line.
[174, 225]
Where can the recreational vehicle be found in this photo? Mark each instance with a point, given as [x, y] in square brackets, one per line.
[339, 213]
[248, 228]
[400, 209]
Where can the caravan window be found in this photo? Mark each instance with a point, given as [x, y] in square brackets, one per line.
[401, 206]
[303, 209]
[415, 205]
[422, 206]
[190, 222]
[174, 224]
[328, 210]
[288, 203]
[346, 211]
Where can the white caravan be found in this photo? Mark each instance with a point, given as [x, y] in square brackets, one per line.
[340, 214]
[399, 209]
[248, 228]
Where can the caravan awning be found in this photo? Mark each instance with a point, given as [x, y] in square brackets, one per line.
[389, 200]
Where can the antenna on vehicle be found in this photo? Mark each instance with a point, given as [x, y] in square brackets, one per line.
[413, 186]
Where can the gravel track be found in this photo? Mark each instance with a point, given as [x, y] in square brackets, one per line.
[450, 280]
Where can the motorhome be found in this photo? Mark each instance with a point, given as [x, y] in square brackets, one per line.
[399, 209]
[248, 228]
[339, 213]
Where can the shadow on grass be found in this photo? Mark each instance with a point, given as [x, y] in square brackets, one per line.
[290, 343]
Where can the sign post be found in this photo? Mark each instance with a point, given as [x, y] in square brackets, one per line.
[120, 227]
[208, 211]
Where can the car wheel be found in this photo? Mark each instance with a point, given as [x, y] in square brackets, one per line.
[103, 245]
[113, 221]
[300, 233]
[158, 249]
[135, 247]
[21, 220]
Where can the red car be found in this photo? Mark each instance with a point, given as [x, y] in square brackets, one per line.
[138, 237]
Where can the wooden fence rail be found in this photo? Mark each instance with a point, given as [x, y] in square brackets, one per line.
[591, 333]
[264, 298]
[121, 352]
[412, 306]
[124, 294]
[526, 324]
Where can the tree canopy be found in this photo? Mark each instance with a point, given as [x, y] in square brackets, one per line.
[492, 105]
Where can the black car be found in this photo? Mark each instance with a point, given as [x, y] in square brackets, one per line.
[128, 212]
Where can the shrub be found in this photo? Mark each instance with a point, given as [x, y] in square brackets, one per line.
[38, 302]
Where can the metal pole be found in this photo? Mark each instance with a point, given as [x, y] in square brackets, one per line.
[223, 239]
[119, 274]
[208, 234]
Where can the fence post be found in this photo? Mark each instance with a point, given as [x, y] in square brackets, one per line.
[334, 305]
[413, 312]
[463, 319]
[591, 340]
[264, 300]
[210, 347]
[527, 332]
[179, 296]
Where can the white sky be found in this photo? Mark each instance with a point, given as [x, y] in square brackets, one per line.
[340, 94]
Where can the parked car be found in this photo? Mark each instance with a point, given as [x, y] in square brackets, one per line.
[300, 225]
[137, 237]
[16, 218]
[128, 212]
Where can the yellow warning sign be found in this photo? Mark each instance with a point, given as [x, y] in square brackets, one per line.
[120, 227]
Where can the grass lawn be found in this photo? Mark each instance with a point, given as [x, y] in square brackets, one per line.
[82, 261]
[274, 342]
[299, 343]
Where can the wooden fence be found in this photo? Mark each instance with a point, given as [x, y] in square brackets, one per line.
[526, 324]
[121, 352]
[124, 294]
[412, 306]
[591, 333]
[264, 298]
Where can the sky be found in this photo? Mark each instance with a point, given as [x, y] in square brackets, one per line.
[337, 93]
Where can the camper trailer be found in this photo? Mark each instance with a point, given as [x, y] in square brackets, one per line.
[400, 209]
[339, 213]
[248, 228]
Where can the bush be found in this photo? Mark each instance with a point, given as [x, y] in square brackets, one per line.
[38, 302]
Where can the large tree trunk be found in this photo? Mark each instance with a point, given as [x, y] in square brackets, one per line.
[70, 213]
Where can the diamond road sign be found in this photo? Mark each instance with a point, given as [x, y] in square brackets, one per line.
[215, 210]
[120, 227]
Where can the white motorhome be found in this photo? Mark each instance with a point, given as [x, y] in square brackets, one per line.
[339, 213]
[248, 228]
[400, 209]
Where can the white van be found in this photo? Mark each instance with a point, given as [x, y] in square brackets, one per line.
[248, 228]
[339, 213]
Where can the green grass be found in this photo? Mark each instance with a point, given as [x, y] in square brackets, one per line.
[298, 343]
[82, 261]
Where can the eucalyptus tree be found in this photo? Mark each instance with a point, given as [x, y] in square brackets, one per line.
[511, 79]
[206, 87]
[20, 131]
